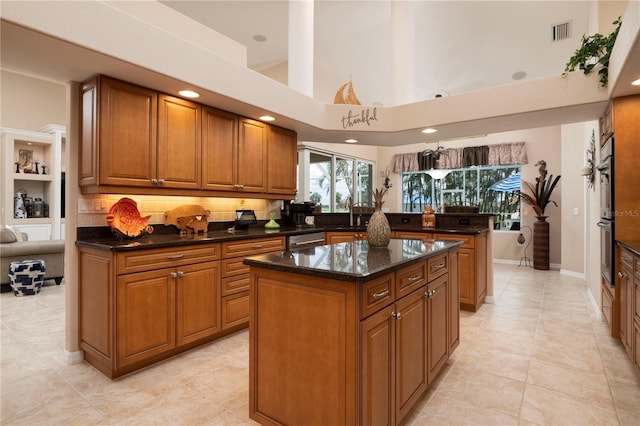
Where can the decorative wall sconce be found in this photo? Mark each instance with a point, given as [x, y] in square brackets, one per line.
[589, 170]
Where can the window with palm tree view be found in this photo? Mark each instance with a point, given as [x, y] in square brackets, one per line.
[491, 188]
[334, 180]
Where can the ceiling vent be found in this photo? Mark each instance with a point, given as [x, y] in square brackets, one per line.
[561, 31]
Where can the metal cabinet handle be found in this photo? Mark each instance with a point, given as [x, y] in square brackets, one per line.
[396, 315]
[621, 274]
[160, 181]
[383, 293]
[154, 181]
[440, 265]
[430, 293]
[180, 274]
[173, 275]
[176, 256]
[414, 278]
[605, 308]
[256, 246]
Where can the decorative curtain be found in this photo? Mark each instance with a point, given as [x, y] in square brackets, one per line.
[405, 163]
[507, 153]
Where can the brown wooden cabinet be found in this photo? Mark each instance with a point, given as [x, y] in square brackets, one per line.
[344, 237]
[472, 259]
[367, 351]
[179, 143]
[140, 306]
[135, 137]
[235, 277]
[626, 294]
[219, 146]
[282, 161]
[136, 140]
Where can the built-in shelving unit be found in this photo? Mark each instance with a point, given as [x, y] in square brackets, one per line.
[23, 152]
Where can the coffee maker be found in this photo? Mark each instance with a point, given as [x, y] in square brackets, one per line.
[298, 214]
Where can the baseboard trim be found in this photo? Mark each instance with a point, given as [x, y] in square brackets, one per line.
[573, 274]
[596, 308]
[75, 357]
[490, 300]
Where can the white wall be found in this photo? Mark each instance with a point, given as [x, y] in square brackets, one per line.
[29, 104]
[541, 144]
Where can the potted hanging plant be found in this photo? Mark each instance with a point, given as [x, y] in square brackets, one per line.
[594, 51]
[538, 199]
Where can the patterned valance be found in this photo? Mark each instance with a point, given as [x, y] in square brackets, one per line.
[456, 158]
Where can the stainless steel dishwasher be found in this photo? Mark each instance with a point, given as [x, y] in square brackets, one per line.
[313, 239]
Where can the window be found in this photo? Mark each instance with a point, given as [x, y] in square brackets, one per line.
[467, 186]
[333, 180]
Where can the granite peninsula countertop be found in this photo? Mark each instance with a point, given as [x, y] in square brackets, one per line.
[352, 261]
[158, 240]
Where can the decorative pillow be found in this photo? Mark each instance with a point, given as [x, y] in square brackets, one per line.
[7, 236]
[15, 232]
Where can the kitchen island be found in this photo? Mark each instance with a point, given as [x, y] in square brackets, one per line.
[348, 334]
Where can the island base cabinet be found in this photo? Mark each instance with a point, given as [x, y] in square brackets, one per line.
[302, 350]
[437, 310]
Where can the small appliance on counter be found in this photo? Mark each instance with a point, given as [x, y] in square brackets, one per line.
[244, 218]
[298, 214]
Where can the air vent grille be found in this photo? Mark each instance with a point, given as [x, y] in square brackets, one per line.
[561, 31]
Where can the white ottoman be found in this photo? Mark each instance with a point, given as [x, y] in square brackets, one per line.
[26, 277]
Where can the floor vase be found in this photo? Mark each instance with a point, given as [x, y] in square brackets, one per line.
[378, 230]
[541, 243]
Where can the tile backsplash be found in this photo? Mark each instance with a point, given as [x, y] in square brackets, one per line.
[92, 209]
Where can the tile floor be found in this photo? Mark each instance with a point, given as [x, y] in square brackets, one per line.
[540, 355]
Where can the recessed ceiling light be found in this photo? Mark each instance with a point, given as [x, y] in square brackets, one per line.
[429, 130]
[518, 75]
[267, 118]
[260, 38]
[189, 94]
[351, 140]
[636, 82]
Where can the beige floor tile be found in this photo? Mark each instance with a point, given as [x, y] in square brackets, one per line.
[546, 407]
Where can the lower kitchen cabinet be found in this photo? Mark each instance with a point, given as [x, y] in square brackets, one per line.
[472, 258]
[344, 237]
[437, 326]
[140, 306]
[626, 313]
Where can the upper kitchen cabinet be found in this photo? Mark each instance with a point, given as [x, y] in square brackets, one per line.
[135, 137]
[282, 158]
[219, 146]
[252, 156]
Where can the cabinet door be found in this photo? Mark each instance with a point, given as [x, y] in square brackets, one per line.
[467, 262]
[282, 158]
[219, 145]
[454, 302]
[636, 353]
[624, 285]
[438, 342]
[344, 237]
[179, 148]
[235, 310]
[411, 350]
[145, 317]
[198, 302]
[252, 156]
[127, 134]
[378, 375]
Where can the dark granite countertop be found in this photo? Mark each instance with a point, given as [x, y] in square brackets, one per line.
[174, 239]
[634, 246]
[353, 261]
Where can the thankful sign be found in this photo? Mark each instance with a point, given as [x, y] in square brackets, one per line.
[366, 116]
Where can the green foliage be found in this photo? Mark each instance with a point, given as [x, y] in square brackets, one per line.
[595, 50]
[540, 195]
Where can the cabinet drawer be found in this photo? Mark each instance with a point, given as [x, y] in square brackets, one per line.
[233, 266]
[252, 247]
[626, 257]
[154, 259]
[437, 266]
[235, 284]
[468, 241]
[376, 294]
[410, 277]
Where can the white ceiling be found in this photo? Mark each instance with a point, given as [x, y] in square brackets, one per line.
[461, 48]
[458, 46]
